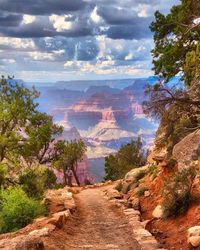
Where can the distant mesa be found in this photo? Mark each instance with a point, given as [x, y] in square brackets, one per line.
[106, 114]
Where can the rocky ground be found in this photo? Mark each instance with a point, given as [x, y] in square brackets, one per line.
[93, 217]
[97, 224]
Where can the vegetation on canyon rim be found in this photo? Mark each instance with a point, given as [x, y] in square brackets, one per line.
[29, 139]
[177, 51]
[29, 142]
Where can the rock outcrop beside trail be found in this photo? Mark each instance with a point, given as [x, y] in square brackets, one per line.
[61, 205]
[187, 150]
[130, 178]
[131, 210]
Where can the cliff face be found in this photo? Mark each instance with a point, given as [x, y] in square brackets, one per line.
[143, 187]
[104, 117]
[108, 120]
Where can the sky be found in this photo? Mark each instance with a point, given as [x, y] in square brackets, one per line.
[53, 40]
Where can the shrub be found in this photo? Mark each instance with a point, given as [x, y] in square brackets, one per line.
[35, 181]
[50, 180]
[3, 172]
[177, 193]
[17, 209]
[31, 183]
[141, 191]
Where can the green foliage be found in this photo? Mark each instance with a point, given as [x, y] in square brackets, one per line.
[3, 173]
[26, 135]
[50, 180]
[141, 191]
[128, 157]
[17, 103]
[41, 132]
[68, 155]
[112, 168]
[17, 210]
[175, 124]
[36, 180]
[176, 38]
[177, 193]
[177, 51]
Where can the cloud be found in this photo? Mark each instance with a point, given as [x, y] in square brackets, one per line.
[9, 19]
[77, 38]
[94, 15]
[60, 23]
[128, 32]
[41, 7]
[28, 19]
[16, 43]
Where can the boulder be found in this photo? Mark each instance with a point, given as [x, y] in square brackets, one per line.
[25, 242]
[113, 194]
[187, 150]
[157, 156]
[40, 232]
[135, 202]
[130, 178]
[69, 204]
[67, 196]
[158, 212]
[147, 194]
[194, 241]
[194, 231]
[59, 219]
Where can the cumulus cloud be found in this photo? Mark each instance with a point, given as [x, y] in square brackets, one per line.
[28, 19]
[78, 38]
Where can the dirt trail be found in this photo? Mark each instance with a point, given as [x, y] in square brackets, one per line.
[97, 224]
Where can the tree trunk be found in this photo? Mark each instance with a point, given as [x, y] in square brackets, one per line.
[65, 177]
[75, 176]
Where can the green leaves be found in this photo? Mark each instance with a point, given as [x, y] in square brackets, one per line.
[128, 157]
[17, 104]
[17, 209]
[26, 135]
[175, 35]
[68, 155]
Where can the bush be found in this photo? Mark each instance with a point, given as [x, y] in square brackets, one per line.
[141, 191]
[3, 172]
[129, 156]
[50, 180]
[177, 193]
[35, 181]
[17, 209]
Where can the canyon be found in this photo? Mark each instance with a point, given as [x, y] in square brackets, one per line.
[106, 114]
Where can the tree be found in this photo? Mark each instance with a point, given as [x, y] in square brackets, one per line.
[41, 133]
[128, 157]
[177, 51]
[17, 104]
[176, 38]
[26, 135]
[69, 154]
